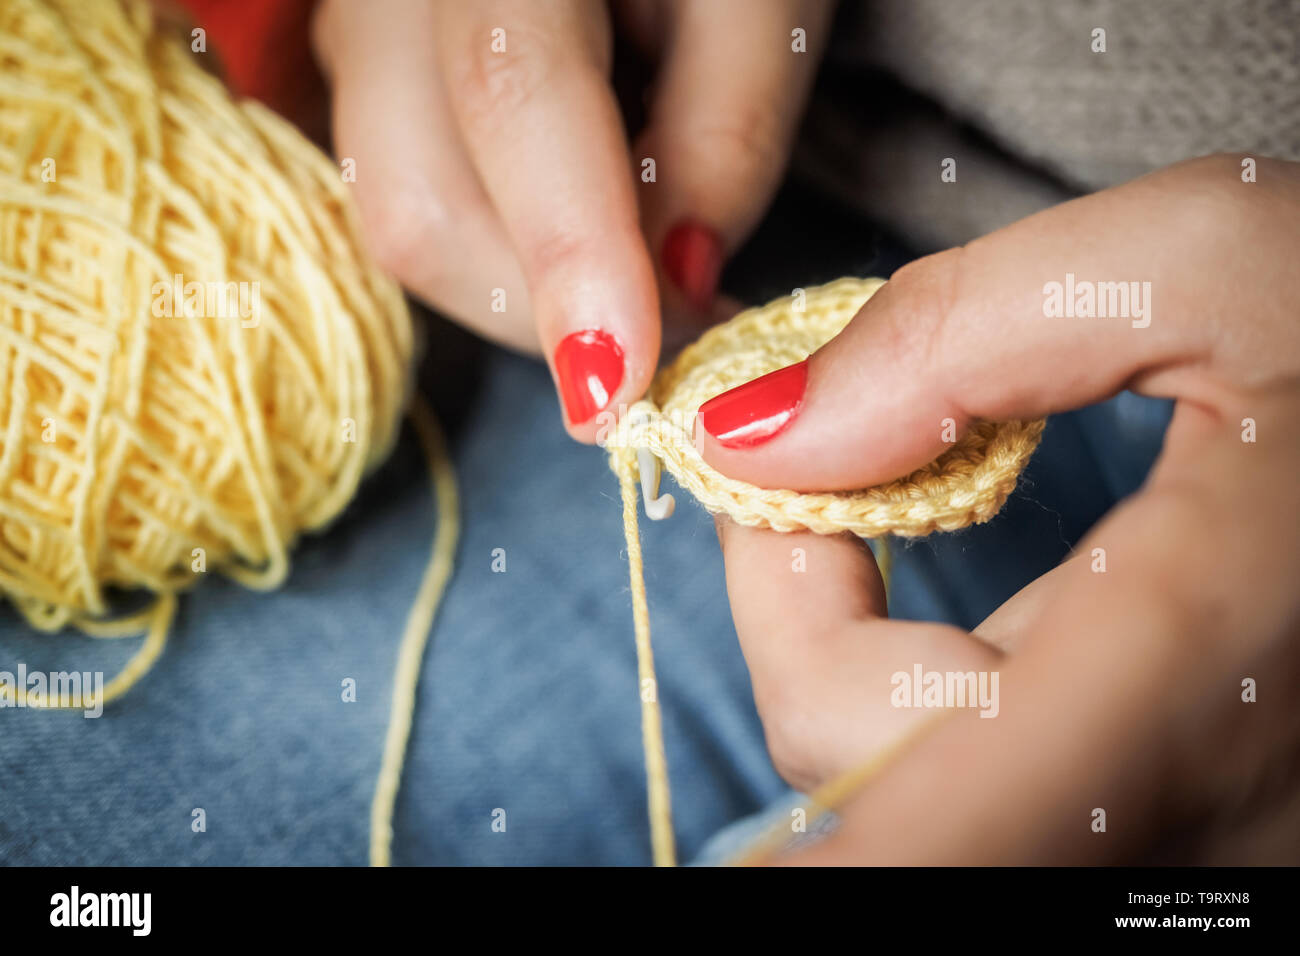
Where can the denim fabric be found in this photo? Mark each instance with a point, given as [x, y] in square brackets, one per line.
[528, 698]
[1088, 460]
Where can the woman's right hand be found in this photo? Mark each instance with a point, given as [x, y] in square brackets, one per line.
[1121, 671]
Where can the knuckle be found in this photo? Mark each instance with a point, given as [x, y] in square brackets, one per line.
[491, 87]
[403, 238]
[792, 763]
[918, 304]
[559, 252]
[1206, 196]
[1216, 199]
[745, 148]
[566, 255]
[790, 729]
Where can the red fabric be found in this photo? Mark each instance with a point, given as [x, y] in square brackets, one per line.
[263, 48]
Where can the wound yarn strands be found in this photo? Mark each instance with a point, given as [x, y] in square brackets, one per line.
[965, 485]
[197, 360]
[198, 363]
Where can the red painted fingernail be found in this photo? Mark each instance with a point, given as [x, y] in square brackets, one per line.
[589, 366]
[692, 259]
[752, 413]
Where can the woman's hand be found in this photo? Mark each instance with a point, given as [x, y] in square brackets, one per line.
[496, 183]
[1120, 689]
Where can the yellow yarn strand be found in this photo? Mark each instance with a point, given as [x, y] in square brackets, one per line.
[158, 620]
[965, 485]
[835, 793]
[885, 562]
[135, 438]
[416, 635]
[658, 796]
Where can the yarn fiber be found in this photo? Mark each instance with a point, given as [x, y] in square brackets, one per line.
[134, 438]
[965, 485]
[129, 439]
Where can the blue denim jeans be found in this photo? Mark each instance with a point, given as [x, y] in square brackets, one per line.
[528, 707]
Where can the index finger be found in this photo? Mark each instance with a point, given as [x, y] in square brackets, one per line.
[528, 84]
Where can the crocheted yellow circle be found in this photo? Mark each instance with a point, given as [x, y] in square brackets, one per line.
[965, 485]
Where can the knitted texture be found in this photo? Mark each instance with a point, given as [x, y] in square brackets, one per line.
[1017, 93]
[1178, 78]
[132, 435]
[965, 485]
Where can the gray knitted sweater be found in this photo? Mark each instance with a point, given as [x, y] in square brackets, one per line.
[1034, 105]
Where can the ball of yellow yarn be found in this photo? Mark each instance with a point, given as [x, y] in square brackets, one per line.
[141, 440]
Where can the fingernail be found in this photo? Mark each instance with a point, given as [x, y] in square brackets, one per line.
[589, 367]
[752, 413]
[692, 259]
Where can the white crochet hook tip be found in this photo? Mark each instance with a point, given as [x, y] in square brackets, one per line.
[657, 507]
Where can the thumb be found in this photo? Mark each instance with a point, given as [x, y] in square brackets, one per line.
[1001, 329]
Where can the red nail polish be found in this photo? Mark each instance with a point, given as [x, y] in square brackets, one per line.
[589, 367]
[752, 413]
[692, 259]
